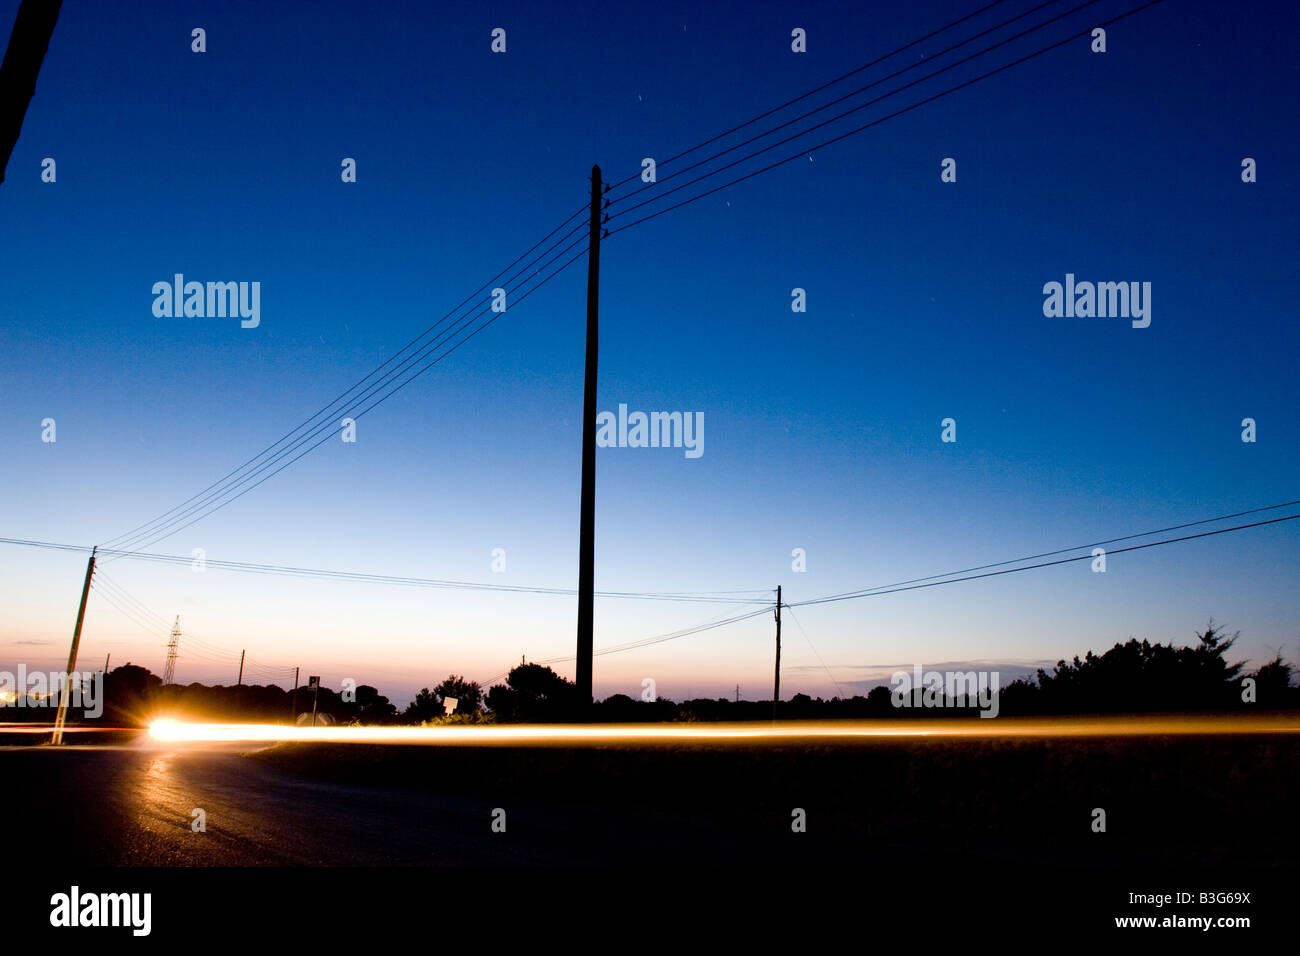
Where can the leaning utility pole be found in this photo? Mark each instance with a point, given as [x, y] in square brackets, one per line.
[776, 687]
[587, 511]
[241, 669]
[72, 654]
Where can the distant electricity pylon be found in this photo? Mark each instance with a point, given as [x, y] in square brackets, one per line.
[169, 673]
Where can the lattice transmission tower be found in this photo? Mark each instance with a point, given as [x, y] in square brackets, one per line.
[169, 673]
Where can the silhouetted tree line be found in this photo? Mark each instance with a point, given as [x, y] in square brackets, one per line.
[1141, 676]
[133, 696]
[1132, 677]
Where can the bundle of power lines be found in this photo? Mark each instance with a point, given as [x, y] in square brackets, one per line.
[989, 46]
[135, 610]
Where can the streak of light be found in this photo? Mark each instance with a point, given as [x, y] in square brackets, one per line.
[21, 728]
[810, 732]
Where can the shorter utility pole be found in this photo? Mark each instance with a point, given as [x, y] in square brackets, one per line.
[293, 704]
[107, 658]
[241, 667]
[776, 687]
[62, 715]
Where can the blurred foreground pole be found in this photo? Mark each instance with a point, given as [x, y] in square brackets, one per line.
[22, 65]
[72, 654]
[587, 511]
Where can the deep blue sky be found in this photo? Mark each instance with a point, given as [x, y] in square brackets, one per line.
[821, 429]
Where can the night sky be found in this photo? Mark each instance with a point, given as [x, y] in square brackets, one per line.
[822, 428]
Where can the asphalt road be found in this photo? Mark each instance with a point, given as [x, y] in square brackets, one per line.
[1184, 800]
[971, 831]
[133, 806]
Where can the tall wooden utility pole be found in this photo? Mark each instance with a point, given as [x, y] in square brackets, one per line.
[776, 687]
[62, 715]
[587, 529]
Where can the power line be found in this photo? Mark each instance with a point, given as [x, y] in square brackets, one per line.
[1045, 564]
[863, 592]
[648, 641]
[121, 609]
[860, 129]
[226, 652]
[215, 504]
[714, 597]
[812, 92]
[141, 533]
[328, 426]
[267, 671]
[838, 688]
[150, 531]
[225, 660]
[139, 613]
[205, 651]
[139, 529]
[711, 597]
[654, 187]
[674, 635]
[369, 375]
[102, 579]
[665, 193]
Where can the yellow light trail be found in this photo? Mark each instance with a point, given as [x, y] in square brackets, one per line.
[829, 731]
[20, 728]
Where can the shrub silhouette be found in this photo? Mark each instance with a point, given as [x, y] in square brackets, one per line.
[533, 693]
